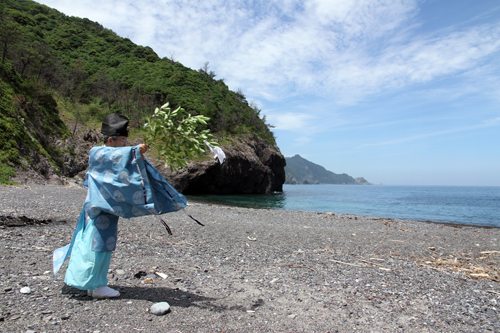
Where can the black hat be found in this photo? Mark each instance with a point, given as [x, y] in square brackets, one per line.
[114, 125]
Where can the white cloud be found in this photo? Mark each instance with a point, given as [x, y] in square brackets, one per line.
[302, 140]
[345, 49]
[386, 72]
[484, 124]
[421, 60]
[363, 17]
[292, 121]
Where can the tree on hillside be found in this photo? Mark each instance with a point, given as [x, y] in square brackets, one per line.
[87, 63]
[205, 70]
[10, 34]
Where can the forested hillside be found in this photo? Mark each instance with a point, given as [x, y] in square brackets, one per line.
[298, 170]
[59, 72]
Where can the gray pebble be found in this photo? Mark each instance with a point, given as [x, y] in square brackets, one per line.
[395, 285]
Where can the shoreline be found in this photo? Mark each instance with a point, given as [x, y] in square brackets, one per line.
[252, 270]
[441, 205]
[452, 224]
[202, 202]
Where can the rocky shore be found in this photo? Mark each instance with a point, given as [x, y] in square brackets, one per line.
[249, 270]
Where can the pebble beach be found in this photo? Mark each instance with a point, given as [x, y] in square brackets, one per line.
[249, 270]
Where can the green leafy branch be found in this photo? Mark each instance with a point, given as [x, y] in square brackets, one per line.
[175, 135]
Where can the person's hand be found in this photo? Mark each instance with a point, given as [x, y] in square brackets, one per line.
[143, 148]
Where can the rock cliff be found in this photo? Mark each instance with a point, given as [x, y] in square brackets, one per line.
[251, 167]
[73, 162]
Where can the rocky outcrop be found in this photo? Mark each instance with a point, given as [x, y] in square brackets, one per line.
[47, 152]
[74, 160]
[251, 167]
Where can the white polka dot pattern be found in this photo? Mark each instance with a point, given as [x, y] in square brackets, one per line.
[94, 242]
[118, 184]
[124, 177]
[102, 222]
[117, 210]
[111, 243]
[99, 155]
[118, 196]
[93, 211]
[104, 194]
[116, 156]
[108, 176]
[94, 173]
[138, 198]
[138, 212]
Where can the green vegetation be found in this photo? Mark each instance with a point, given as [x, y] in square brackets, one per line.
[6, 172]
[178, 134]
[56, 67]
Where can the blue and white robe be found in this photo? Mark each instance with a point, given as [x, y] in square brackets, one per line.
[120, 184]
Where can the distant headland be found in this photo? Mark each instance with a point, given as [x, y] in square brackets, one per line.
[301, 171]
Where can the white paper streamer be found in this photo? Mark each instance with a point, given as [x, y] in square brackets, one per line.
[218, 153]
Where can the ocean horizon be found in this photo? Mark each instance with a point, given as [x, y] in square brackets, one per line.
[467, 205]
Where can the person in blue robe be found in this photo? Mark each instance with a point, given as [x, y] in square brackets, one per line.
[121, 183]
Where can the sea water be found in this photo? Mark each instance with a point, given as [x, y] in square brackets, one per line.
[471, 205]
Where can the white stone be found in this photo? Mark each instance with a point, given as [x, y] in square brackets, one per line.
[160, 309]
[25, 290]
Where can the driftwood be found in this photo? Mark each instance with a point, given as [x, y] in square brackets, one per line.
[345, 263]
[371, 263]
[292, 266]
[469, 267]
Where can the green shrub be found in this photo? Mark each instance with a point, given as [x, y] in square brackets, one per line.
[5, 173]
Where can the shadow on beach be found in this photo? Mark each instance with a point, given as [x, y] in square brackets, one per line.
[173, 296]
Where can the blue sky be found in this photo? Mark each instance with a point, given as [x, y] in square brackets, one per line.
[400, 92]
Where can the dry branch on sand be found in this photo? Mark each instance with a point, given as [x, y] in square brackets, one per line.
[471, 268]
